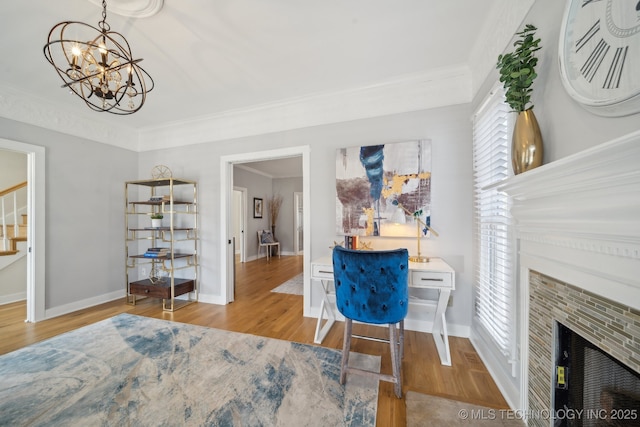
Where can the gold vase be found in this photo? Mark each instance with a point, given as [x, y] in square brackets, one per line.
[526, 143]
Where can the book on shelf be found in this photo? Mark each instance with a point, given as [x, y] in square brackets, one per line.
[156, 253]
[164, 198]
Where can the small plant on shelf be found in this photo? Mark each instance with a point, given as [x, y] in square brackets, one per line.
[156, 219]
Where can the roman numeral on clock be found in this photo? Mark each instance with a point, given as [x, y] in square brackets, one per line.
[594, 60]
[614, 75]
[582, 41]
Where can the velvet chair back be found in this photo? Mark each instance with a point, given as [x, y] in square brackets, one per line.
[372, 286]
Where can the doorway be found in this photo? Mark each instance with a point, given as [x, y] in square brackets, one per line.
[226, 210]
[35, 226]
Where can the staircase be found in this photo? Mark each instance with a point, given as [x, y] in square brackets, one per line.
[12, 239]
[12, 231]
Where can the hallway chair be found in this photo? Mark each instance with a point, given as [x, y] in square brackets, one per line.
[373, 287]
[266, 240]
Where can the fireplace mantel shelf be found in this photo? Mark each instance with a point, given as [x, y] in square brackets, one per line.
[578, 218]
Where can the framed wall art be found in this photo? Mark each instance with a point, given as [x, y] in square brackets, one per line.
[384, 190]
[257, 207]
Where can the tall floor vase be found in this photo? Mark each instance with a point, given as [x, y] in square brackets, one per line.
[526, 148]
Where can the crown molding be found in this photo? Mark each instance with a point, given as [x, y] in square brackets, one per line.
[433, 89]
[437, 88]
[21, 107]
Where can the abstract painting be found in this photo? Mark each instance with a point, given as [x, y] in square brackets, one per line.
[384, 190]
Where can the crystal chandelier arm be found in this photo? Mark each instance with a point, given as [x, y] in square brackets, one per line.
[114, 68]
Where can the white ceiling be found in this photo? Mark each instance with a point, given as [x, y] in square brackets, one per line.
[214, 58]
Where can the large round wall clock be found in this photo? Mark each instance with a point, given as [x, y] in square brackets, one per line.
[600, 55]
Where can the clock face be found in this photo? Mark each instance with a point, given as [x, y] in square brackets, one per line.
[600, 55]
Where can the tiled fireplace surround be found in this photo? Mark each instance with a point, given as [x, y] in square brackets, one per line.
[578, 230]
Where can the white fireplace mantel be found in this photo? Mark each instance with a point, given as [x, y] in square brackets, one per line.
[578, 219]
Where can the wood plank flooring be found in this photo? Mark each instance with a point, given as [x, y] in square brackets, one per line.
[259, 311]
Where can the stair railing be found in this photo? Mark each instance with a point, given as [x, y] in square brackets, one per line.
[4, 194]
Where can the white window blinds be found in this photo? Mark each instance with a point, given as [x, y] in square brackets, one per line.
[495, 294]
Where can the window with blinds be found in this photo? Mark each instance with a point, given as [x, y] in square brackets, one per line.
[495, 293]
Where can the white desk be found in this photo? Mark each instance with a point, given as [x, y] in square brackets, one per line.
[435, 274]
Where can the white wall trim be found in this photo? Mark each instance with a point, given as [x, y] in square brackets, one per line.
[82, 304]
[436, 88]
[81, 122]
[8, 299]
[226, 185]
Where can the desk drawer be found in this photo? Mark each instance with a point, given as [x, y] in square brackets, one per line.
[323, 272]
[430, 279]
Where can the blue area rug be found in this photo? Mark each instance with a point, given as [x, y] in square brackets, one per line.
[132, 370]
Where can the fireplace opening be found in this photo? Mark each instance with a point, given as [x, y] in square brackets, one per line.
[591, 387]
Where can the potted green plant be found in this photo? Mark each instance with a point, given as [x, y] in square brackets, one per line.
[156, 219]
[517, 73]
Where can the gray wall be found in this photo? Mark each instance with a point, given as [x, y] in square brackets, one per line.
[286, 220]
[84, 213]
[450, 131]
[257, 186]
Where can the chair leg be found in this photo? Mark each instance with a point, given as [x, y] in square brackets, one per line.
[401, 340]
[346, 347]
[395, 360]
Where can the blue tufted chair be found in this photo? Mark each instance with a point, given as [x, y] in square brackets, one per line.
[373, 287]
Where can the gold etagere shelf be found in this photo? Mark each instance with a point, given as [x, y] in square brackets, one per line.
[161, 260]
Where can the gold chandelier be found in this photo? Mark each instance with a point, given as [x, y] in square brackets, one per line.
[102, 70]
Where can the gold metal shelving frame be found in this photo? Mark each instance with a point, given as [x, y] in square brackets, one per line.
[180, 267]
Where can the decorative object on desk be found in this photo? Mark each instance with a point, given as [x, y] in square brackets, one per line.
[365, 246]
[97, 65]
[135, 370]
[257, 207]
[350, 242]
[336, 244]
[156, 219]
[517, 73]
[161, 171]
[293, 286]
[422, 228]
[368, 178]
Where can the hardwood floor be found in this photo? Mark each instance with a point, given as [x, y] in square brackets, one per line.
[259, 311]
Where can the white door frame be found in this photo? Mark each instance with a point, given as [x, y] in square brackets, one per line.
[297, 198]
[243, 222]
[226, 193]
[35, 226]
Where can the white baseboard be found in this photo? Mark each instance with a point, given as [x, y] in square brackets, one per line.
[8, 299]
[502, 379]
[82, 304]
